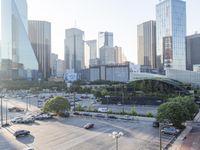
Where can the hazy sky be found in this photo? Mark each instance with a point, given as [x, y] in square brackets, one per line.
[92, 16]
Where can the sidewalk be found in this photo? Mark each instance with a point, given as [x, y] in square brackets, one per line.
[178, 144]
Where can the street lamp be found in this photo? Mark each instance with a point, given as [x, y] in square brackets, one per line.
[116, 136]
[107, 97]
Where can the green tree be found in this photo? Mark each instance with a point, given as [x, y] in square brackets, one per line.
[133, 111]
[173, 112]
[188, 103]
[57, 105]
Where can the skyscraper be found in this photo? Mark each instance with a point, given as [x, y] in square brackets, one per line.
[119, 55]
[40, 37]
[53, 61]
[105, 39]
[92, 48]
[107, 55]
[170, 34]
[192, 51]
[16, 46]
[74, 49]
[146, 43]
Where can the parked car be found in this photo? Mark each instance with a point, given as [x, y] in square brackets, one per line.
[28, 148]
[43, 116]
[76, 113]
[112, 117]
[87, 114]
[170, 130]
[155, 124]
[21, 133]
[100, 116]
[28, 120]
[88, 125]
[17, 120]
[15, 109]
[103, 110]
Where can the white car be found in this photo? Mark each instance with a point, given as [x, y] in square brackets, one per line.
[103, 110]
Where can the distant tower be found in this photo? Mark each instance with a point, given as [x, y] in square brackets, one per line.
[146, 38]
[74, 49]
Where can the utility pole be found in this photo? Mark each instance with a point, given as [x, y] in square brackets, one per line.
[6, 112]
[27, 104]
[74, 101]
[123, 99]
[1, 111]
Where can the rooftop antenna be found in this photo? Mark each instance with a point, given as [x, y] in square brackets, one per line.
[75, 24]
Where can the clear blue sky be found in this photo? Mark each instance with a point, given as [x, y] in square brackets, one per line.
[118, 16]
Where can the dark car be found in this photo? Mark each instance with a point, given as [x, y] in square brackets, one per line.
[88, 125]
[76, 113]
[155, 124]
[112, 117]
[21, 133]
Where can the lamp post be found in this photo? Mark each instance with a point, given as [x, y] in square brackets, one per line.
[107, 97]
[116, 136]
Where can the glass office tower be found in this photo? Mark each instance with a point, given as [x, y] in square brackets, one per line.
[40, 38]
[170, 34]
[74, 49]
[15, 41]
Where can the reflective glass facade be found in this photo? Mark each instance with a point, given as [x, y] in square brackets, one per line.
[171, 26]
[40, 38]
[74, 49]
[15, 41]
[105, 39]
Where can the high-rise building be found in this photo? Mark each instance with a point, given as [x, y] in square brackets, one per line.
[0, 54]
[146, 43]
[105, 39]
[170, 34]
[40, 37]
[87, 55]
[91, 48]
[192, 51]
[15, 42]
[53, 61]
[119, 55]
[107, 55]
[74, 49]
[111, 55]
[60, 68]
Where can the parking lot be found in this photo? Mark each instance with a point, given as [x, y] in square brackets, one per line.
[69, 134]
